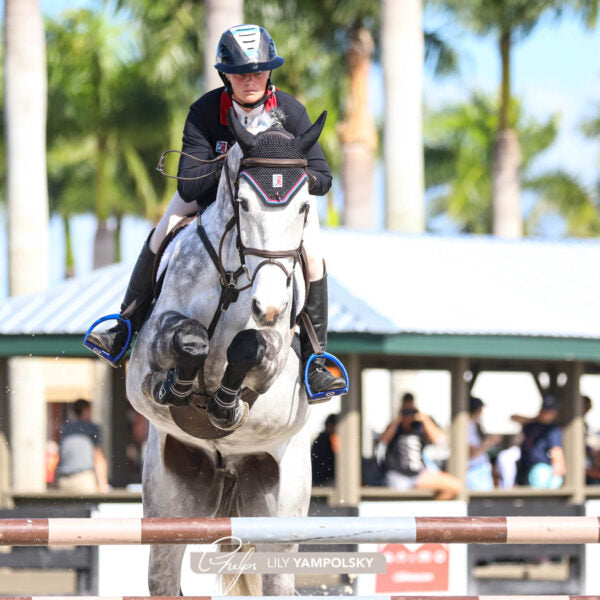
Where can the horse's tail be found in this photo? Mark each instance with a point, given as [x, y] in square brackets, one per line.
[247, 584]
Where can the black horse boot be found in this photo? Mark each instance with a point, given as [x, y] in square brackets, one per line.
[319, 377]
[226, 410]
[139, 290]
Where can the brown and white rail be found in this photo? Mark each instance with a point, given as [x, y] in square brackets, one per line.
[380, 597]
[305, 530]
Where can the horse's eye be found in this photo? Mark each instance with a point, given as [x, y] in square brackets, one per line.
[243, 203]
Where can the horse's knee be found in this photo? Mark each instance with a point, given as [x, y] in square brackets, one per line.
[190, 344]
[247, 349]
[183, 339]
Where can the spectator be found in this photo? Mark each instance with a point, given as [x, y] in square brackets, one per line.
[592, 471]
[592, 448]
[403, 440]
[542, 462]
[506, 461]
[323, 453]
[52, 458]
[590, 439]
[82, 465]
[479, 473]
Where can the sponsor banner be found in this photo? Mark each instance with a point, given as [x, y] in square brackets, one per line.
[416, 568]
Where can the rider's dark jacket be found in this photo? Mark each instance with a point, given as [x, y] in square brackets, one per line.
[206, 135]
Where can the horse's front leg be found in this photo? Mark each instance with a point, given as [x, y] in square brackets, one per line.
[226, 409]
[182, 341]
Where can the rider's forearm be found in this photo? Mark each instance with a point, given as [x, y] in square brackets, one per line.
[432, 431]
[196, 144]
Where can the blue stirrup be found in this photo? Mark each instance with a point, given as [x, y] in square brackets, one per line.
[105, 356]
[330, 393]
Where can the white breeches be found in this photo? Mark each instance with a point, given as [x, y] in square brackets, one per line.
[178, 209]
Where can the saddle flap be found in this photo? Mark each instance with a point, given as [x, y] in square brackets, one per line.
[163, 256]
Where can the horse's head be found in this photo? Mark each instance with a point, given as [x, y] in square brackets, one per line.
[271, 204]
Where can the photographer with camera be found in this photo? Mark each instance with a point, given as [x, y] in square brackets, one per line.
[404, 440]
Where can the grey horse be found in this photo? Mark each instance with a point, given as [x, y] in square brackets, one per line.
[260, 466]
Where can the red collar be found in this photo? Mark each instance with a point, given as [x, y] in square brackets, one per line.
[227, 103]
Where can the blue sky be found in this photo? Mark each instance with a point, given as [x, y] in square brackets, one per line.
[555, 70]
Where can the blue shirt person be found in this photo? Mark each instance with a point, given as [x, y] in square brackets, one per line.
[542, 462]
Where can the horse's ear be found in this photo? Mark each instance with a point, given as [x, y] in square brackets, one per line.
[244, 138]
[309, 138]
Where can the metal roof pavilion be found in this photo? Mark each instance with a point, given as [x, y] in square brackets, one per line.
[389, 293]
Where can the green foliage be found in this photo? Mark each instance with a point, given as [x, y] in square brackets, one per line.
[560, 192]
[591, 127]
[313, 37]
[171, 34]
[458, 170]
[102, 108]
[516, 16]
[461, 156]
[440, 54]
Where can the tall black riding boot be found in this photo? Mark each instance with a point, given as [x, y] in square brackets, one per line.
[139, 290]
[319, 378]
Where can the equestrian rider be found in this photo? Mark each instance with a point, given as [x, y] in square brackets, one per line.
[246, 56]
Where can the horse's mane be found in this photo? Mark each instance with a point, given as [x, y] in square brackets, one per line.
[274, 119]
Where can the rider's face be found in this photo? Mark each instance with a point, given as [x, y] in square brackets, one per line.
[249, 87]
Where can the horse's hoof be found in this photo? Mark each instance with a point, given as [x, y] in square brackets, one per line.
[229, 419]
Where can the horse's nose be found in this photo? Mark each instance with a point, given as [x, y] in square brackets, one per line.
[266, 316]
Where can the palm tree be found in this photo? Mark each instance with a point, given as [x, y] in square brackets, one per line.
[402, 58]
[171, 47]
[316, 37]
[219, 15]
[107, 129]
[510, 20]
[25, 124]
[459, 173]
[358, 134]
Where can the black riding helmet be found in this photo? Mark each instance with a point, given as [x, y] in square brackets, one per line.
[246, 49]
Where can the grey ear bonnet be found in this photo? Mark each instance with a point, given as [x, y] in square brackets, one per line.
[274, 185]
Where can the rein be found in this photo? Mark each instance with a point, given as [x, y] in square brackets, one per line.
[160, 167]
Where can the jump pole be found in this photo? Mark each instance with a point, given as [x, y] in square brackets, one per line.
[305, 530]
[380, 597]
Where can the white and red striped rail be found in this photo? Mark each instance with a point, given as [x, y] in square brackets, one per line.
[305, 530]
[381, 597]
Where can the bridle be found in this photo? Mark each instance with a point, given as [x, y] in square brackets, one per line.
[270, 256]
[229, 279]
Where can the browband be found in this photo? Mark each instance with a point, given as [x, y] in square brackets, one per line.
[274, 162]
